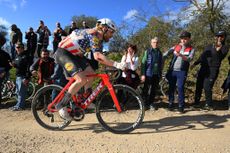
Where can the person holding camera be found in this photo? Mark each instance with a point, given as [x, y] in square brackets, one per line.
[31, 37]
[43, 37]
[58, 34]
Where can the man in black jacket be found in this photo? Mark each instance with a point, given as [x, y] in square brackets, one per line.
[4, 63]
[226, 85]
[210, 61]
[21, 63]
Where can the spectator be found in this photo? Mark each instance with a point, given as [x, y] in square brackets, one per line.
[58, 78]
[43, 67]
[31, 37]
[129, 75]
[58, 34]
[72, 27]
[226, 84]
[210, 61]
[15, 36]
[84, 24]
[4, 63]
[151, 69]
[21, 63]
[178, 69]
[43, 38]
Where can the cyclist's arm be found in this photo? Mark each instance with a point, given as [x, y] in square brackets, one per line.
[102, 59]
[96, 48]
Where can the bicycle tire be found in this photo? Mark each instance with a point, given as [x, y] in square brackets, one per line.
[164, 86]
[43, 117]
[7, 92]
[30, 91]
[132, 110]
[4, 91]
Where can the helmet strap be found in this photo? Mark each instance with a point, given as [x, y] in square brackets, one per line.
[104, 32]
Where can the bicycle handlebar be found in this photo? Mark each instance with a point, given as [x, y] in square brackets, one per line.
[113, 73]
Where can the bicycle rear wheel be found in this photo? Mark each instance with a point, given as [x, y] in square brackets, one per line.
[164, 87]
[132, 110]
[45, 118]
[30, 91]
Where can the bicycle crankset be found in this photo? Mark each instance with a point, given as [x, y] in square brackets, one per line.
[78, 114]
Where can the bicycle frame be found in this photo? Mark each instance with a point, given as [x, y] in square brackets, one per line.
[104, 82]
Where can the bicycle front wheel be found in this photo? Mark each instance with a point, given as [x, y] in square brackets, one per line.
[45, 118]
[132, 110]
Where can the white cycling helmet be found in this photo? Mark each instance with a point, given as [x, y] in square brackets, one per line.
[107, 22]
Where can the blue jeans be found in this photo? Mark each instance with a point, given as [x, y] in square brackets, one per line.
[21, 89]
[177, 78]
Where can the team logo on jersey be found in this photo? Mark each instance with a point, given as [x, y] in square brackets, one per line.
[69, 66]
[87, 49]
[96, 40]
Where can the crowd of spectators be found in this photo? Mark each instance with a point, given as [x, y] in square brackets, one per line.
[34, 60]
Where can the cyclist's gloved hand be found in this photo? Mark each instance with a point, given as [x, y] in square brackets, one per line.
[121, 65]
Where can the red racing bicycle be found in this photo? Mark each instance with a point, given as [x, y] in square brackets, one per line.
[119, 108]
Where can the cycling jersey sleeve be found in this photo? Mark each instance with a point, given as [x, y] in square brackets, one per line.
[96, 44]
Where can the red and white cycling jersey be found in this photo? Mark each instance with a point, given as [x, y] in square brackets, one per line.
[80, 41]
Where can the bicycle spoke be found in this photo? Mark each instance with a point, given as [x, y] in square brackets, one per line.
[47, 119]
[132, 110]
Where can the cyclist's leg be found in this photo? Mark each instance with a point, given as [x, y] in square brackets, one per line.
[89, 80]
[75, 66]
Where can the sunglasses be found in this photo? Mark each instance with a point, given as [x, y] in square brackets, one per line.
[111, 30]
[17, 47]
[221, 36]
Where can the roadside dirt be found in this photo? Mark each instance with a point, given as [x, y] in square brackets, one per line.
[162, 131]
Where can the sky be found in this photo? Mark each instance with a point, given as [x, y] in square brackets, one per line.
[26, 13]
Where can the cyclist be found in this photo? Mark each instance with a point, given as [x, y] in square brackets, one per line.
[178, 68]
[70, 55]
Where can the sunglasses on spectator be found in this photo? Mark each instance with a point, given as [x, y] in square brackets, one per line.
[17, 47]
